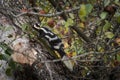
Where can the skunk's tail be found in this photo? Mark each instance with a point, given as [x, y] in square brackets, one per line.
[66, 60]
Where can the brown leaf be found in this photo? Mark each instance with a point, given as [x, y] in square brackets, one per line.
[24, 10]
[117, 40]
[42, 12]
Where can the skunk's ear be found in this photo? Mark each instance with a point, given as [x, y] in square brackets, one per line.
[37, 24]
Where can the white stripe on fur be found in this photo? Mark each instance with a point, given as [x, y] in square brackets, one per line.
[51, 39]
[46, 31]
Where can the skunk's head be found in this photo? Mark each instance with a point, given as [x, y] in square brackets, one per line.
[36, 26]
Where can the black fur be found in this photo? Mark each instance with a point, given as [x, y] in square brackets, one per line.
[54, 41]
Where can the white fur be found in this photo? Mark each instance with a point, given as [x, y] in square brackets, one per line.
[51, 39]
[46, 31]
[58, 46]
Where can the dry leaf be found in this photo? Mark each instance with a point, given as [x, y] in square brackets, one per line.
[117, 40]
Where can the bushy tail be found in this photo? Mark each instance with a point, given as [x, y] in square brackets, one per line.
[68, 63]
[65, 59]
